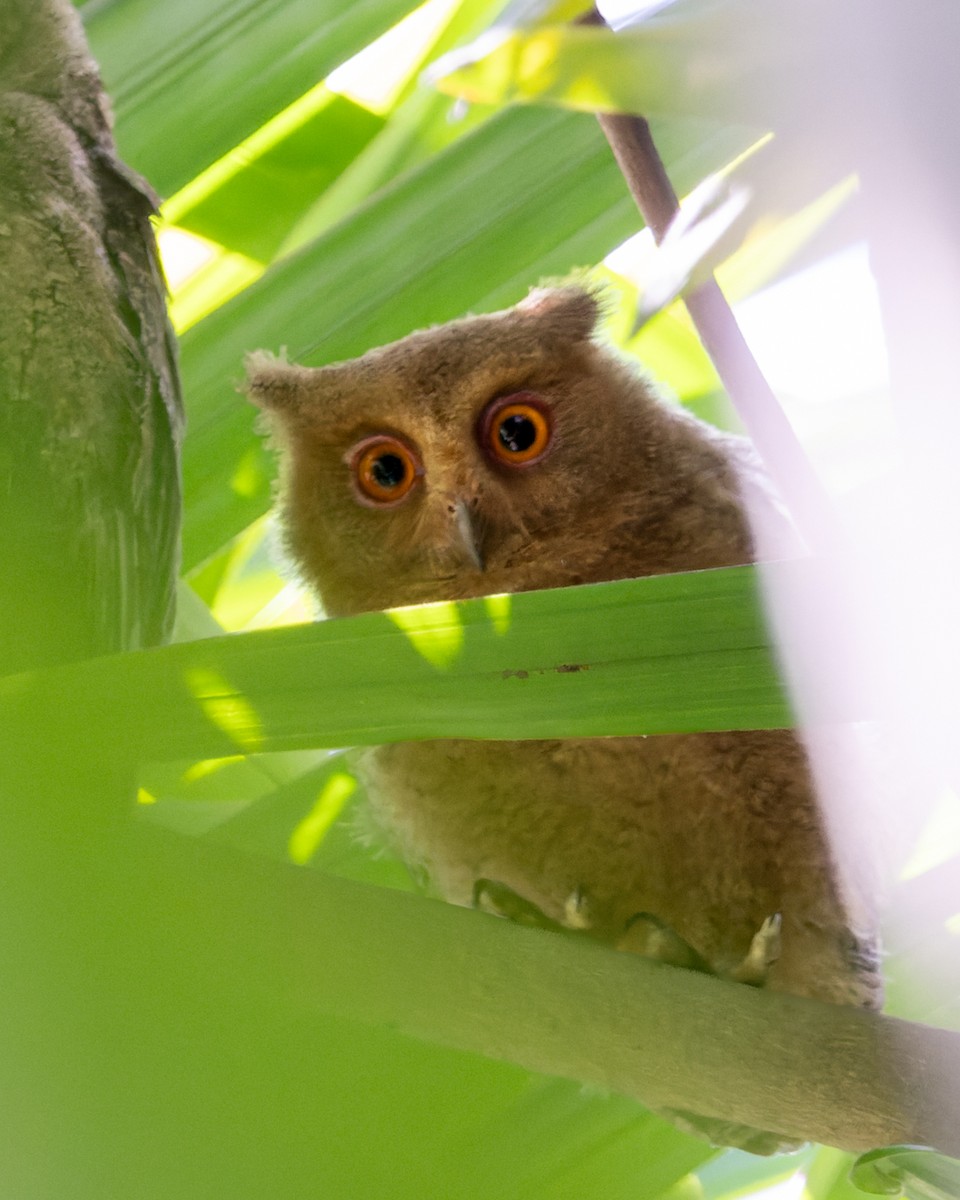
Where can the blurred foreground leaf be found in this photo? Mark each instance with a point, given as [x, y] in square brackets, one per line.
[732, 60]
[671, 653]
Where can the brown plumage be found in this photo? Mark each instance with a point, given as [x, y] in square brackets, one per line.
[513, 451]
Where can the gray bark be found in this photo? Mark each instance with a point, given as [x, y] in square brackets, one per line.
[89, 400]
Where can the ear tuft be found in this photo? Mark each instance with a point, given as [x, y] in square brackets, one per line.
[273, 383]
[570, 313]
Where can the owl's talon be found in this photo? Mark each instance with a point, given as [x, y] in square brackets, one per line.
[576, 911]
[502, 901]
[647, 935]
[763, 953]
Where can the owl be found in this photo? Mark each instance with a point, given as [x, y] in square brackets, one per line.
[513, 451]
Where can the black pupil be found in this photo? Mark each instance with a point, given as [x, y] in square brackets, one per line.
[389, 470]
[517, 433]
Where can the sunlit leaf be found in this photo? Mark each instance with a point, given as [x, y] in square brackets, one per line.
[421, 122]
[190, 80]
[590, 69]
[671, 653]
[530, 13]
[736, 60]
[293, 159]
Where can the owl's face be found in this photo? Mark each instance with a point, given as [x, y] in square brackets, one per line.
[497, 453]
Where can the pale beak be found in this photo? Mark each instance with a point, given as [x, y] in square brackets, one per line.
[468, 536]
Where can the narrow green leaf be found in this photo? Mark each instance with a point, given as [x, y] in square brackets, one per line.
[422, 122]
[667, 654]
[290, 162]
[589, 69]
[736, 60]
[189, 80]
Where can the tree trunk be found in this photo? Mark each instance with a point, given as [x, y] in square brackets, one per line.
[89, 394]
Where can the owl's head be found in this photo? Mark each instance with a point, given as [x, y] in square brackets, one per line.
[496, 453]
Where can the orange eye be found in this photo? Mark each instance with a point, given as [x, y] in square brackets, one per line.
[516, 429]
[384, 470]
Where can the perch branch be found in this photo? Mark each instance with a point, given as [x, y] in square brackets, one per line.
[557, 1004]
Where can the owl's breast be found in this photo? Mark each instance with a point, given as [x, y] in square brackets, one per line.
[710, 833]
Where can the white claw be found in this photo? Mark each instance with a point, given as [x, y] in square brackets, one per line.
[576, 911]
[763, 953]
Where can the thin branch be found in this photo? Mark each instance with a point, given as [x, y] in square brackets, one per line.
[633, 147]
